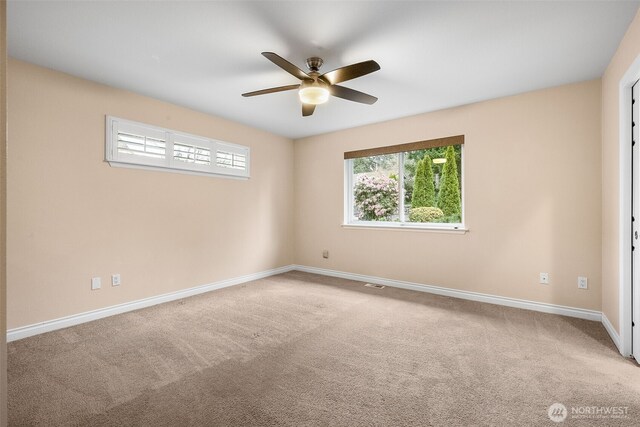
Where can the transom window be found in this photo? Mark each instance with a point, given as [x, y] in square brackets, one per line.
[417, 185]
[135, 144]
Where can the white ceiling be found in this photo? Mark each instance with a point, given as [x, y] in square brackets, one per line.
[433, 55]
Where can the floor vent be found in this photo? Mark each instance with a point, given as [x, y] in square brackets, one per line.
[370, 285]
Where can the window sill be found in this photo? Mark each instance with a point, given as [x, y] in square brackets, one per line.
[399, 227]
[118, 164]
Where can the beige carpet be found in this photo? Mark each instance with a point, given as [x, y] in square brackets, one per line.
[305, 350]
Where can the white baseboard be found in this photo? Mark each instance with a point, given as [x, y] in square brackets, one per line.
[65, 322]
[615, 337]
[473, 296]
[76, 319]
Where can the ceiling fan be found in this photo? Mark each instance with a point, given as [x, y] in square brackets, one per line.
[315, 87]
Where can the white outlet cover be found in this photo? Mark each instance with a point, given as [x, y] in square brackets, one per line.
[582, 283]
[96, 283]
[115, 280]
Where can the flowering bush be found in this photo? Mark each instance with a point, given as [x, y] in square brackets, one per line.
[376, 198]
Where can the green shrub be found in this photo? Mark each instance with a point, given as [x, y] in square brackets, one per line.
[425, 214]
[449, 197]
[424, 192]
[376, 198]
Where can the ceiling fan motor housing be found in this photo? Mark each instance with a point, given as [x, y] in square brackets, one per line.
[314, 63]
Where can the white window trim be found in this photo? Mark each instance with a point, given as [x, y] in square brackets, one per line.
[169, 164]
[350, 222]
[394, 226]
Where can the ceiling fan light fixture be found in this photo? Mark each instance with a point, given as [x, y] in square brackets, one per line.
[313, 93]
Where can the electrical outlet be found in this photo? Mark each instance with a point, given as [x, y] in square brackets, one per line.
[96, 283]
[115, 280]
[544, 278]
[325, 254]
[582, 282]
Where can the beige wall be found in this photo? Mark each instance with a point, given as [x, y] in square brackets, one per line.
[3, 211]
[532, 200]
[71, 216]
[627, 52]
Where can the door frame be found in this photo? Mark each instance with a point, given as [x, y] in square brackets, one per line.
[625, 282]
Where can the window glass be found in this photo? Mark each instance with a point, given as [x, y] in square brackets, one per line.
[375, 188]
[412, 187]
[432, 185]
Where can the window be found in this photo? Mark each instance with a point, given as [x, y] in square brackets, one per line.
[409, 185]
[230, 157]
[138, 145]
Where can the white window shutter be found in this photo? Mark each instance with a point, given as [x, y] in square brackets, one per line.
[232, 159]
[138, 145]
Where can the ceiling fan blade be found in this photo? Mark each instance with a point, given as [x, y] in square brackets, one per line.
[349, 72]
[352, 95]
[286, 65]
[307, 109]
[271, 90]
